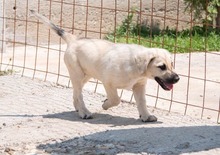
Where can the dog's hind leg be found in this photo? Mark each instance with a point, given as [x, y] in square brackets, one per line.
[78, 100]
[112, 97]
[78, 79]
[139, 95]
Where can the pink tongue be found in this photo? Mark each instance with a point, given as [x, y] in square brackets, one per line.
[169, 86]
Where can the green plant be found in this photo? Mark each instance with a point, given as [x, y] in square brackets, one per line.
[210, 7]
[195, 39]
[6, 71]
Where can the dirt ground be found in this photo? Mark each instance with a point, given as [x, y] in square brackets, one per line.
[88, 22]
[37, 118]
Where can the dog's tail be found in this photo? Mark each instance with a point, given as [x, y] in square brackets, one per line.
[68, 37]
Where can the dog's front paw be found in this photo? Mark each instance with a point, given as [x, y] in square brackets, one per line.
[105, 105]
[85, 114]
[150, 118]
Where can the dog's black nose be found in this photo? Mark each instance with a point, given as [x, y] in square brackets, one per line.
[176, 78]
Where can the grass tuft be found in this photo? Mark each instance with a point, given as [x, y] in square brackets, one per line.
[6, 72]
[189, 40]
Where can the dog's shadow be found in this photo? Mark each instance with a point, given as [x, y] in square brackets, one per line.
[97, 118]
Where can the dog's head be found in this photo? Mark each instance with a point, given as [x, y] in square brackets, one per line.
[160, 68]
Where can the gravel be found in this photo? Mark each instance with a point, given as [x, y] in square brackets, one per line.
[37, 118]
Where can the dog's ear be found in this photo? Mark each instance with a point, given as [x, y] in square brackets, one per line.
[147, 63]
[151, 60]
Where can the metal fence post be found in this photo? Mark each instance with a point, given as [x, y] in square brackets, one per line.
[2, 26]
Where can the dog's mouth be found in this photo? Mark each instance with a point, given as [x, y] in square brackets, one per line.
[163, 84]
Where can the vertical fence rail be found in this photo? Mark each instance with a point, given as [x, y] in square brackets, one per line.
[189, 66]
[2, 26]
[204, 86]
[2, 31]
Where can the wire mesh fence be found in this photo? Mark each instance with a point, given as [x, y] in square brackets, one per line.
[31, 49]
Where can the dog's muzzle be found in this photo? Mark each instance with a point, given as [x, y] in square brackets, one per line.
[167, 84]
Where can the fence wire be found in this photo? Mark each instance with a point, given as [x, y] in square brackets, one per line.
[31, 49]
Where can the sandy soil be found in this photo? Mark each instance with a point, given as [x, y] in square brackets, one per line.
[38, 118]
[91, 24]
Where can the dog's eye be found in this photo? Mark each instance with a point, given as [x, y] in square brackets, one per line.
[162, 67]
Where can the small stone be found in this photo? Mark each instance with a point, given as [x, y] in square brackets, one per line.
[64, 150]
[49, 150]
[106, 146]
[109, 146]
[121, 147]
[183, 145]
[29, 120]
[7, 149]
[4, 124]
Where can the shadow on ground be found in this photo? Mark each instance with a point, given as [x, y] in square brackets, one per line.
[127, 135]
[98, 119]
[158, 140]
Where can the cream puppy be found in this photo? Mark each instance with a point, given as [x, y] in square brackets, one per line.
[117, 66]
